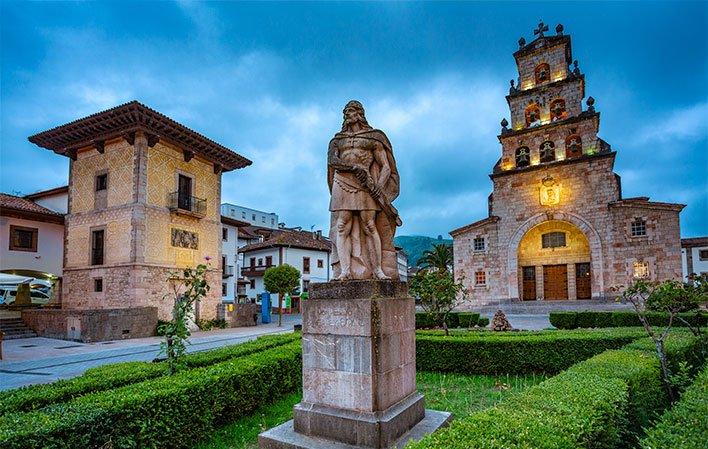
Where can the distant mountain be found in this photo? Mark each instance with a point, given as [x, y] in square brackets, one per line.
[414, 245]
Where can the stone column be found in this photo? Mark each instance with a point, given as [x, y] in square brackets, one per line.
[359, 386]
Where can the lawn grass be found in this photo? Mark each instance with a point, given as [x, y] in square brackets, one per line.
[456, 393]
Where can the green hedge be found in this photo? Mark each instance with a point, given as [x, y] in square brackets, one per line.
[599, 403]
[169, 411]
[546, 352]
[588, 319]
[116, 375]
[453, 320]
[685, 425]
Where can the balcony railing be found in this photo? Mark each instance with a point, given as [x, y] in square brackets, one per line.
[228, 271]
[187, 205]
[255, 270]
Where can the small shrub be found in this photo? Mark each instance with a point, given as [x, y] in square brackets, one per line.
[468, 319]
[483, 322]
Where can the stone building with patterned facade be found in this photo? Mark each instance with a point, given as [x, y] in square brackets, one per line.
[558, 225]
[144, 200]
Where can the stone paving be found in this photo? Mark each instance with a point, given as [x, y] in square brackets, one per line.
[29, 361]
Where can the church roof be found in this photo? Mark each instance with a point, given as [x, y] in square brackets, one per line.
[125, 120]
[476, 224]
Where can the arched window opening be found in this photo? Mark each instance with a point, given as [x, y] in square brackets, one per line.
[523, 157]
[548, 151]
[558, 111]
[533, 115]
[543, 73]
[573, 146]
[553, 240]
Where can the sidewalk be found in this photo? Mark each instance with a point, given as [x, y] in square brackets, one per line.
[29, 361]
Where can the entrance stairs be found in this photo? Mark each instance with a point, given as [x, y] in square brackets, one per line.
[14, 328]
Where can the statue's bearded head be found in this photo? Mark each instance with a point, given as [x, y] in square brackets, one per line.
[353, 114]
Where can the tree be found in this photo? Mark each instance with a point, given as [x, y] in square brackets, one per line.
[438, 293]
[438, 258]
[670, 297]
[281, 280]
[188, 287]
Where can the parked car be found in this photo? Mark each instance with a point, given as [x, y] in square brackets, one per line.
[8, 295]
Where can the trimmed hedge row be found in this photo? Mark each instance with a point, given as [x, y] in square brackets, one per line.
[116, 375]
[453, 320]
[515, 353]
[170, 411]
[599, 403]
[685, 425]
[588, 319]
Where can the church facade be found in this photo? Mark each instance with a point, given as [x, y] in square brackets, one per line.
[558, 226]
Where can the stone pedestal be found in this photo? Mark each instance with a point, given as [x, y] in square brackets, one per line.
[359, 385]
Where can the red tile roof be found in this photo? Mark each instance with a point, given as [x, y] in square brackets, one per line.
[15, 206]
[292, 239]
[47, 192]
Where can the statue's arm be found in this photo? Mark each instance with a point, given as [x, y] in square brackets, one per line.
[382, 160]
[333, 159]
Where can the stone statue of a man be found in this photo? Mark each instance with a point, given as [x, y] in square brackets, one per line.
[363, 180]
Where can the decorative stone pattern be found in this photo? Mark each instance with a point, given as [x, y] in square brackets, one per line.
[589, 207]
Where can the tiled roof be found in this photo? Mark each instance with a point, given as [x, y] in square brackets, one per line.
[484, 221]
[17, 206]
[293, 239]
[47, 192]
[694, 242]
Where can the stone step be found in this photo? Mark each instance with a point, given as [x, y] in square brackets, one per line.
[28, 334]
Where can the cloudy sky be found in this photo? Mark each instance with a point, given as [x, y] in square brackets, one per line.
[269, 80]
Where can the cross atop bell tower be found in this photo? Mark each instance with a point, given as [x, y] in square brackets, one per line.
[541, 29]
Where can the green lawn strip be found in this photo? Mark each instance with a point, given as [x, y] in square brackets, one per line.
[599, 403]
[168, 411]
[119, 374]
[456, 393]
[685, 425]
[545, 352]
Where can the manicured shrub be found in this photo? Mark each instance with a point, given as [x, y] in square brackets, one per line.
[453, 320]
[116, 375]
[483, 321]
[170, 411]
[624, 318]
[685, 425]
[515, 352]
[468, 319]
[600, 403]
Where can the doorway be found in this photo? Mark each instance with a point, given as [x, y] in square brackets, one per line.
[582, 280]
[555, 282]
[529, 283]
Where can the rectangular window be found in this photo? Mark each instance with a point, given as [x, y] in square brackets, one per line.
[269, 261]
[305, 286]
[553, 240]
[252, 261]
[224, 289]
[260, 261]
[243, 215]
[98, 284]
[23, 238]
[253, 284]
[703, 254]
[253, 217]
[184, 192]
[263, 219]
[272, 221]
[478, 244]
[97, 243]
[638, 227]
[480, 278]
[641, 270]
[305, 265]
[225, 234]
[320, 263]
[102, 182]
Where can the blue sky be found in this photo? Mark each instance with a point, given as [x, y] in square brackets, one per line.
[269, 80]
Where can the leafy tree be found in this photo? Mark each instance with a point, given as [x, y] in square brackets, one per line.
[188, 287]
[438, 258]
[670, 297]
[281, 280]
[438, 293]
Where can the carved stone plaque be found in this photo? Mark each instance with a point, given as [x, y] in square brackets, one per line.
[185, 239]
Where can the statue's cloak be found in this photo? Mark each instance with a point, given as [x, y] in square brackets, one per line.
[385, 222]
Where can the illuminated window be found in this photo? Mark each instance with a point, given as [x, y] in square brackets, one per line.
[553, 240]
[533, 115]
[543, 73]
[523, 157]
[573, 146]
[558, 111]
[638, 227]
[548, 151]
[641, 270]
[480, 278]
[478, 244]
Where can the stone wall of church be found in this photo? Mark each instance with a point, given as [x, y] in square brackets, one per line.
[570, 91]
[553, 56]
[491, 261]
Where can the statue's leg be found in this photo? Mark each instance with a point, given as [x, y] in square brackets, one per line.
[344, 243]
[373, 242]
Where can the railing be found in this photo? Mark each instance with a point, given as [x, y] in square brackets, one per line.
[228, 271]
[188, 205]
[254, 270]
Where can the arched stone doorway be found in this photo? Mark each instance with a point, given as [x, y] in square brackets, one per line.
[540, 260]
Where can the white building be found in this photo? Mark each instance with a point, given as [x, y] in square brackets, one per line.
[308, 252]
[251, 216]
[32, 234]
[402, 259]
[694, 256]
[230, 258]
